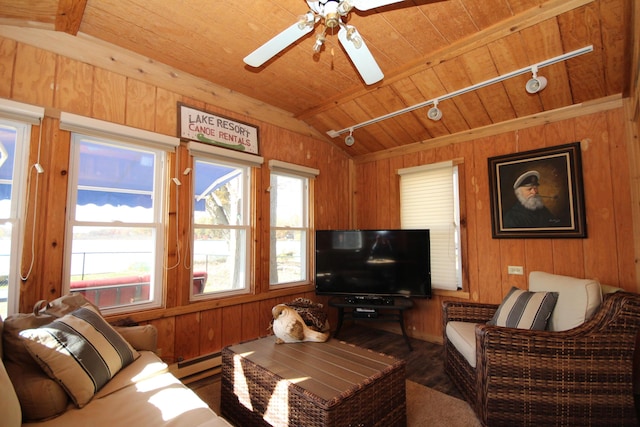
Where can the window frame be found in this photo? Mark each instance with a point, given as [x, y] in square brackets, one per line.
[19, 204]
[247, 207]
[22, 117]
[308, 175]
[232, 158]
[93, 130]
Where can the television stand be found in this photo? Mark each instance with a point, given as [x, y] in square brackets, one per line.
[372, 308]
[369, 300]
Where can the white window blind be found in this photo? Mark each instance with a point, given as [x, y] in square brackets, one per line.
[224, 154]
[102, 129]
[13, 110]
[428, 199]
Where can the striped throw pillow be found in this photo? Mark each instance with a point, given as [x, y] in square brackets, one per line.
[79, 350]
[525, 310]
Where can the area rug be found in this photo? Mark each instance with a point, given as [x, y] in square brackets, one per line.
[425, 406]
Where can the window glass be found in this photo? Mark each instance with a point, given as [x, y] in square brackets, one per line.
[115, 183]
[14, 140]
[289, 229]
[221, 228]
[115, 227]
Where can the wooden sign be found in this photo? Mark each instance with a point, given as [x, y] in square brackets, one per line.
[200, 126]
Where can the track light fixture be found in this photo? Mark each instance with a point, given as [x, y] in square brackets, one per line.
[349, 140]
[536, 83]
[434, 112]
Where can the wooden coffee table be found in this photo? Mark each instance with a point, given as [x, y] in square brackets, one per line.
[311, 384]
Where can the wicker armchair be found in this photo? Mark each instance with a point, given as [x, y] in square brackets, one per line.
[578, 377]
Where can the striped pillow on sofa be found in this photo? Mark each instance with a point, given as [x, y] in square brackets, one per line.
[81, 351]
[525, 310]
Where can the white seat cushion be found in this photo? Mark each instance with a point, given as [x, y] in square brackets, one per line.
[578, 299]
[463, 337]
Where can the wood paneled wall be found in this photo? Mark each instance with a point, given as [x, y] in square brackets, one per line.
[361, 194]
[607, 254]
[186, 330]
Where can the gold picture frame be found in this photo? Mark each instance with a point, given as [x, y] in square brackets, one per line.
[538, 194]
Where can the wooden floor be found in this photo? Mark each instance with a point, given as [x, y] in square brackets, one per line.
[424, 364]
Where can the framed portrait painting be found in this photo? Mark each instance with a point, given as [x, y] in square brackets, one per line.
[538, 193]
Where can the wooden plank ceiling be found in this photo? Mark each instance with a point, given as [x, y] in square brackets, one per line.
[426, 49]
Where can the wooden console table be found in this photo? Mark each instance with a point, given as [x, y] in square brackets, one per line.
[374, 309]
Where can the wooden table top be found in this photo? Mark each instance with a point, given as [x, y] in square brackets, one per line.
[328, 370]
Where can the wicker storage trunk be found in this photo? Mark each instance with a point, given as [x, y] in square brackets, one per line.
[311, 384]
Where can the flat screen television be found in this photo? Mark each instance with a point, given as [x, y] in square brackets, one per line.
[373, 263]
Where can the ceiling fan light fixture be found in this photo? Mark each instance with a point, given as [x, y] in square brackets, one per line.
[332, 20]
[344, 7]
[306, 20]
[434, 112]
[353, 37]
[331, 14]
[320, 39]
[536, 83]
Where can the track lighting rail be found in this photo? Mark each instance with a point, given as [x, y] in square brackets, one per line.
[435, 101]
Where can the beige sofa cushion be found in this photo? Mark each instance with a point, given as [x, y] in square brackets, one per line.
[146, 366]
[578, 299]
[142, 337]
[98, 351]
[9, 403]
[40, 397]
[159, 401]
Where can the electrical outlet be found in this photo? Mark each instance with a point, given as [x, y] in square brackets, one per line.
[515, 269]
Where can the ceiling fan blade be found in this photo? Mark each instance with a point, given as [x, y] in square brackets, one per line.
[359, 54]
[278, 43]
[314, 5]
[371, 4]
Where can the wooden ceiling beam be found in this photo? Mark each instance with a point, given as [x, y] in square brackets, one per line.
[69, 16]
[104, 55]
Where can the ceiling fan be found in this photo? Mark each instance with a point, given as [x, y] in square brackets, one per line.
[330, 13]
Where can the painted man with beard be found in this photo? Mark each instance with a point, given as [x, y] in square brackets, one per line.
[529, 211]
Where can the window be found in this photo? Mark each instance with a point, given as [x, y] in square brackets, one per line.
[221, 231]
[290, 229]
[429, 198]
[15, 178]
[221, 221]
[115, 229]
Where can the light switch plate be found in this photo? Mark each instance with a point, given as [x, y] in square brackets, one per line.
[515, 269]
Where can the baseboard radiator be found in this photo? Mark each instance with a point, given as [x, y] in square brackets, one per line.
[195, 369]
